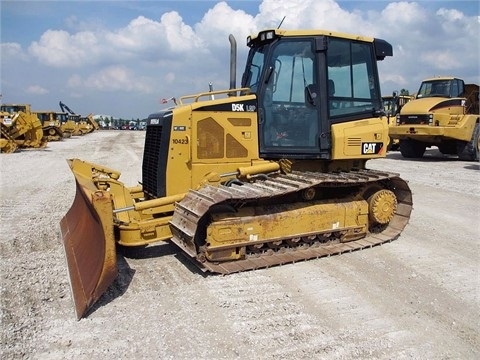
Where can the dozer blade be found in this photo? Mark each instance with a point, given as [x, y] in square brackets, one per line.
[88, 239]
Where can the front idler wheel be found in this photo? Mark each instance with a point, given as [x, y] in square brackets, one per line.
[382, 205]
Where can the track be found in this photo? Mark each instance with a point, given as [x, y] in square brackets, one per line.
[52, 133]
[191, 212]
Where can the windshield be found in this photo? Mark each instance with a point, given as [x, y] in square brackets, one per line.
[440, 88]
[13, 108]
[61, 117]
[434, 88]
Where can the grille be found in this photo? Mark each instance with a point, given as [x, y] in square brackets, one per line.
[414, 119]
[210, 139]
[155, 154]
[355, 142]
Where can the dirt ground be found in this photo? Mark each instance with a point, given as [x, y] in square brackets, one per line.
[414, 298]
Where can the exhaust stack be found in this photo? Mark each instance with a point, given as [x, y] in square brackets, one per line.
[233, 63]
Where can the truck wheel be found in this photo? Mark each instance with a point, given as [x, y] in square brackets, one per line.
[448, 148]
[392, 145]
[470, 151]
[410, 148]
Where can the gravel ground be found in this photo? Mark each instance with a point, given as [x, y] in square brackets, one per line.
[414, 298]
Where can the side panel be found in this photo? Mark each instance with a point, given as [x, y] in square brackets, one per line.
[226, 138]
[365, 139]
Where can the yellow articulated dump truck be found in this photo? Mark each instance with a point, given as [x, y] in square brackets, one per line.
[445, 114]
[269, 173]
[20, 128]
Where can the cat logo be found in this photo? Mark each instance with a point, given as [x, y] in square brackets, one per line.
[370, 148]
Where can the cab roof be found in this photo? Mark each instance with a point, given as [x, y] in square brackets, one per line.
[314, 32]
[441, 78]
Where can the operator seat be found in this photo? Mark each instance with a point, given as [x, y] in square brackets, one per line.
[331, 92]
[331, 87]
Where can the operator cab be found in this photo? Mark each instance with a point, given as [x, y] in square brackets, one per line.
[441, 87]
[307, 81]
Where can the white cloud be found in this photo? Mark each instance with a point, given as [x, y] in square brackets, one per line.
[400, 14]
[180, 37]
[138, 40]
[140, 35]
[58, 48]
[308, 14]
[37, 90]
[222, 20]
[12, 51]
[456, 24]
[112, 78]
[445, 60]
[395, 78]
[450, 14]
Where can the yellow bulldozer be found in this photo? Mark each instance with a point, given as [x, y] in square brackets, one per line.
[67, 125]
[269, 173]
[444, 113]
[51, 124]
[82, 126]
[20, 128]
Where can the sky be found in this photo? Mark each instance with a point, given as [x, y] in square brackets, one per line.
[120, 58]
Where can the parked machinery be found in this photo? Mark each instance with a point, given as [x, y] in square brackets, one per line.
[269, 173]
[90, 119]
[7, 142]
[20, 126]
[444, 113]
[392, 104]
[51, 125]
[67, 125]
[83, 124]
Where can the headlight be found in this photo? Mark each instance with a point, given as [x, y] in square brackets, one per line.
[267, 35]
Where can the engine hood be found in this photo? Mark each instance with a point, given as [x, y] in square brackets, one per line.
[430, 104]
